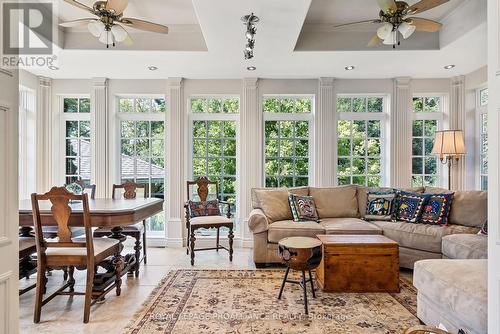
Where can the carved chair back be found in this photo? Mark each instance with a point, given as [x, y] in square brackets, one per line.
[203, 186]
[129, 190]
[60, 198]
[87, 188]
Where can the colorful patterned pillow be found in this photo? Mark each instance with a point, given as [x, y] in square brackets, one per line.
[380, 205]
[303, 208]
[204, 208]
[409, 206]
[436, 209]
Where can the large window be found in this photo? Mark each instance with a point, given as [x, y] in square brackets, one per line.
[287, 140]
[360, 138]
[214, 131]
[427, 115]
[76, 118]
[142, 148]
[482, 110]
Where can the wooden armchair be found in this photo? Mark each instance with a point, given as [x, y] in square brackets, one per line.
[82, 253]
[194, 223]
[129, 190]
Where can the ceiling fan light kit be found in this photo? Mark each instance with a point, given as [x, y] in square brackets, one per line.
[108, 27]
[394, 21]
[249, 21]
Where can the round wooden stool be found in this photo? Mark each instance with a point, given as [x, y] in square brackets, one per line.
[302, 254]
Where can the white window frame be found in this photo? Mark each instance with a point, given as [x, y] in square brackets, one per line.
[309, 117]
[192, 117]
[441, 118]
[135, 116]
[61, 178]
[383, 117]
[480, 111]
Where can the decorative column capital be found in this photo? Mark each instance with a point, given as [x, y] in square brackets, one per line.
[402, 82]
[99, 82]
[458, 80]
[326, 81]
[175, 82]
[251, 83]
[44, 81]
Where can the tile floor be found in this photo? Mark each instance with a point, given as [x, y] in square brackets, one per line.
[64, 314]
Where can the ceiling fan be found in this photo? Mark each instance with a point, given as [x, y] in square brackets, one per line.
[109, 24]
[394, 21]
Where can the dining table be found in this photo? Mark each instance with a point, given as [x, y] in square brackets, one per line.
[104, 212]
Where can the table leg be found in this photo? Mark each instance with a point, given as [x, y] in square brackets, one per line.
[26, 231]
[312, 284]
[116, 233]
[130, 261]
[283, 283]
[304, 286]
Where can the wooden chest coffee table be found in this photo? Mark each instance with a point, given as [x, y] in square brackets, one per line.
[358, 263]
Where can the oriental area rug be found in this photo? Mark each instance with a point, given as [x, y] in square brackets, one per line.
[245, 301]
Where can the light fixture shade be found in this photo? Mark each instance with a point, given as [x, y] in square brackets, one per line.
[106, 37]
[385, 30]
[391, 39]
[119, 33]
[96, 28]
[449, 143]
[406, 29]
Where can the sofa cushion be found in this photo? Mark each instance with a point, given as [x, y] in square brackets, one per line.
[363, 191]
[336, 202]
[469, 208]
[459, 287]
[255, 200]
[409, 206]
[465, 246]
[303, 208]
[436, 209]
[288, 228]
[274, 202]
[380, 205]
[349, 226]
[420, 236]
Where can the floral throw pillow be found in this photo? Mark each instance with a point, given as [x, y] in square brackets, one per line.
[204, 208]
[436, 209]
[303, 208]
[409, 206]
[380, 205]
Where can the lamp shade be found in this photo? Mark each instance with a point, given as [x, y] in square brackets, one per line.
[449, 143]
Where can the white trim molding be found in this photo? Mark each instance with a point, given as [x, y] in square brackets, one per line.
[401, 128]
[457, 122]
[99, 123]
[325, 166]
[44, 148]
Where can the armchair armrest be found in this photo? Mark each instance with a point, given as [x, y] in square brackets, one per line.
[257, 222]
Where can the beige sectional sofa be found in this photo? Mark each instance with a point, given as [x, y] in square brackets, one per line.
[341, 211]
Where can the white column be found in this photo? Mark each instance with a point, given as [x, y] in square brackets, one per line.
[44, 135]
[325, 136]
[457, 122]
[100, 133]
[493, 166]
[250, 162]
[400, 166]
[176, 156]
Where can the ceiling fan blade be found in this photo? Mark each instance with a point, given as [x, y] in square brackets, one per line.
[356, 23]
[387, 6]
[424, 5]
[76, 23]
[117, 5]
[144, 25]
[374, 41]
[80, 5]
[425, 25]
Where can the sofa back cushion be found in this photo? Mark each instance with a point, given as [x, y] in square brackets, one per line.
[336, 202]
[363, 191]
[274, 201]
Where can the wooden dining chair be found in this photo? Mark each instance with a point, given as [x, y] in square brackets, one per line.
[65, 251]
[129, 190]
[195, 221]
[27, 264]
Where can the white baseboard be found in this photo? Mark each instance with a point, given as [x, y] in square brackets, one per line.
[174, 242]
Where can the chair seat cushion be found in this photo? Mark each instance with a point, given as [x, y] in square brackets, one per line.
[465, 246]
[138, 227]
[100, 246]
[349, 226]
[210, 220]
[288, 228]
[420, 236]
[459, 287]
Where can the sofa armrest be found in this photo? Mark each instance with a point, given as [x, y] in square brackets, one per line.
[257, 222]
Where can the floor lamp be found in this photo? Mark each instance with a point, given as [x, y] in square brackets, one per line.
[449, 145]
